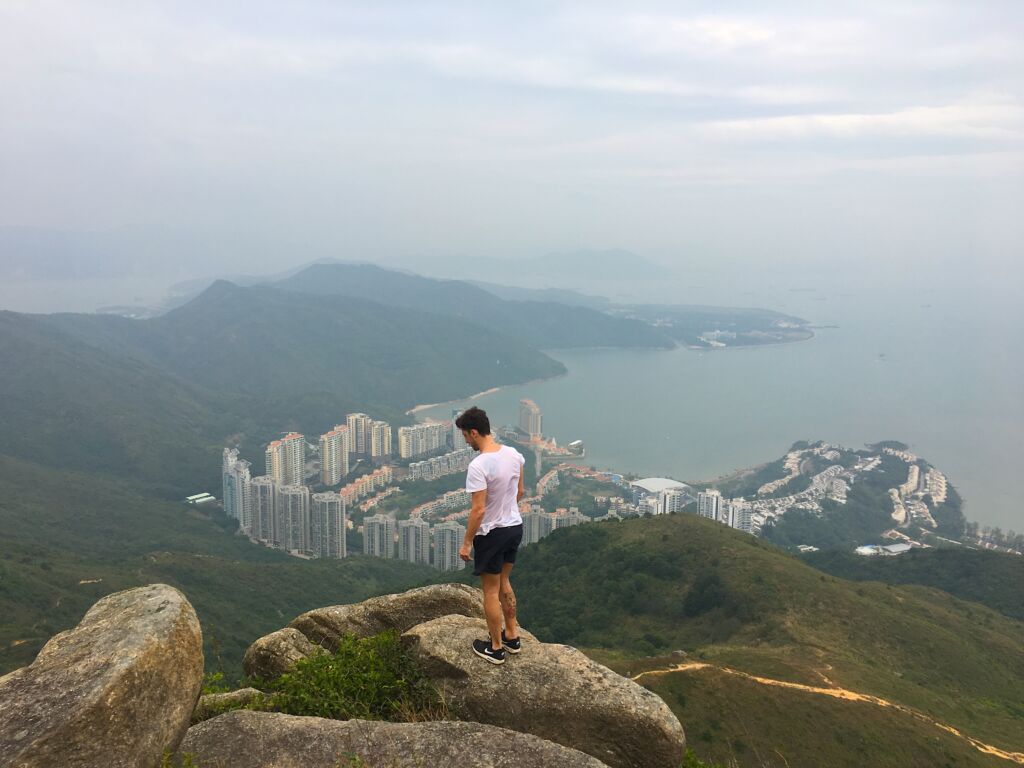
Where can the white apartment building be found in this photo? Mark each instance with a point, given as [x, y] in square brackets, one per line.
[237, 490]
[447, 541]
[264, 510]
[334, 452]
[709, 505]
[414, 541]
[531, 420]
[327, 526]
[293, 518]
[286, 459]
[380, 440]
[359, 433]
[379, 536]
[537, 525]
[673, 500]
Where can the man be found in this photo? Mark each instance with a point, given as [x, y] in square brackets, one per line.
[494, 530]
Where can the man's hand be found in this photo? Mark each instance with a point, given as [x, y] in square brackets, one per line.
[464, 551]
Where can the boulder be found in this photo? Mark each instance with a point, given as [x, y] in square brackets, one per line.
[274, 654]
[326, 626]
[244, 739]
[552, 691]
[117, 690]
[213, 704]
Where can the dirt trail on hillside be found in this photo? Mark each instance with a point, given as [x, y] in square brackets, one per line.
[838, 693]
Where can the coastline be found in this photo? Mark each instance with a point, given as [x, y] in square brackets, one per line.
[427, 406]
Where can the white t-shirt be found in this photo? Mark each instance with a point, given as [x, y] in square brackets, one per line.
[497, 473]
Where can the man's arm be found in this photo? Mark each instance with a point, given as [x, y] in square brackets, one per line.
[476, 516]
[522, 487]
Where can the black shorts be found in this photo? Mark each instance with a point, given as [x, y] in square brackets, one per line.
[497, 547]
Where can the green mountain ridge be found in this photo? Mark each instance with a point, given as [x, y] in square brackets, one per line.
[631, 590]
[543, 324]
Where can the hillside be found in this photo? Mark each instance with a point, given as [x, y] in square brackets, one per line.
[153, 400]
[70, 538]
[647, 587]
[542, 324]
[995, 579]
[74, 406]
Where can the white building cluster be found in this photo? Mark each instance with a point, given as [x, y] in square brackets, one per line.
[452, 501]
[421, 439]
[283, 516]
[415, 541]
[439, 466]
[537, 523]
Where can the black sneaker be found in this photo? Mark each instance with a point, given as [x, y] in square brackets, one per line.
[512, 646]
[482, 648]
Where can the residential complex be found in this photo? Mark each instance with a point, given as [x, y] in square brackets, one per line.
[439, 466]
[456, 500]
[367, 485]
[421, 439]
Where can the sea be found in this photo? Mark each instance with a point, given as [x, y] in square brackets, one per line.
[936, 366]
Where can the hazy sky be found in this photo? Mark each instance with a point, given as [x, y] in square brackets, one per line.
[233, 135]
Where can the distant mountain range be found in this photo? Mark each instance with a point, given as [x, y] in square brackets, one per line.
[92, 391]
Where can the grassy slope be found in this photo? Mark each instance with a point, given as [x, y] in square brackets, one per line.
[73, 406]
[652, 585]
[63, 528]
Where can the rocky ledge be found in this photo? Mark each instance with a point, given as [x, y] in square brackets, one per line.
[120, 690]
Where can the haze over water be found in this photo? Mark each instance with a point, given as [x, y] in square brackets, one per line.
[938, 369]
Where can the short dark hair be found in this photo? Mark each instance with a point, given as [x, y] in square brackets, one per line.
[474, 418]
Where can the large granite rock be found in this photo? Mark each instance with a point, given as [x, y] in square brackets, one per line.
[326, 626]
[213, 704]
[117, 690]
[268, 740]
[274, 654]
[551, 691]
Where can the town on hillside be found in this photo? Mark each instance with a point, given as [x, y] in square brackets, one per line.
[357, 489]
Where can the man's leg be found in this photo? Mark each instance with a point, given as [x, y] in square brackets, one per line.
[491, 583]
[508, 603]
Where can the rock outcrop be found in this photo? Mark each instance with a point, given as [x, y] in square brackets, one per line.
[213, 704]
[274, 654]
[269, 740]
[552, 691]
[326, 626]
[117, 690]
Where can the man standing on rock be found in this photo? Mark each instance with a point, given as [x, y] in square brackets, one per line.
[494, 530]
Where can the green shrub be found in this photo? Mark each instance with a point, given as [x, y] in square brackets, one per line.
[371, 678]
